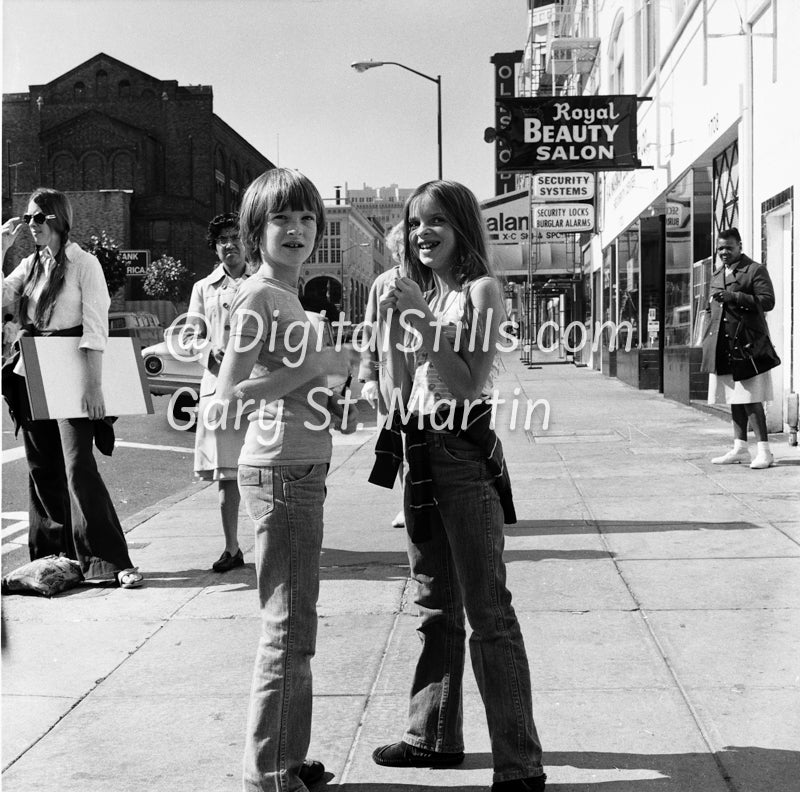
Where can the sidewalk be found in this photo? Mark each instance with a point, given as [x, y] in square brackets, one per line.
[659, 597]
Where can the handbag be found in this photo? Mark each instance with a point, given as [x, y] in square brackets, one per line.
[752, 353]
[47, 576]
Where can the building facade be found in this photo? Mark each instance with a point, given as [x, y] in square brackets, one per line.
[156, 149]
[385, 204]
[352, 252]
[714, 80]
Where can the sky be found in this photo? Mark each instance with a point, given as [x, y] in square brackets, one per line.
[281, 75]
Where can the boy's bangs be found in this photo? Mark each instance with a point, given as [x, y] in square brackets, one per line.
[295, 195]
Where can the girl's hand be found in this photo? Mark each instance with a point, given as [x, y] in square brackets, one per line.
[10, 230]
[93, 403]
[407, 295]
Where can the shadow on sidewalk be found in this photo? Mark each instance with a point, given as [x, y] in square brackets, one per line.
[366, 565]
[557, 527]
[744, 767]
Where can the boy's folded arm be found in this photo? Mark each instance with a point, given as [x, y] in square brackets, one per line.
[234, 381]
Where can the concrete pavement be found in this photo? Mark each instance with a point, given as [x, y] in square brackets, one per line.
[659, 597]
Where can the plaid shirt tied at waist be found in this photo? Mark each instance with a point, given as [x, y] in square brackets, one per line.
[476, 430]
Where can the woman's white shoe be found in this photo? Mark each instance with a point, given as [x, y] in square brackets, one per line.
[764, 459]
[733, 457]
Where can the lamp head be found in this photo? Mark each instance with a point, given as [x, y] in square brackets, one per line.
[362, 66]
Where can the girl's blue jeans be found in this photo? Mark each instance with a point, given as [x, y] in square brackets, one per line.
[461, 569]
[285, 504]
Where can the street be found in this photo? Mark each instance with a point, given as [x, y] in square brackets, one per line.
[151, 460]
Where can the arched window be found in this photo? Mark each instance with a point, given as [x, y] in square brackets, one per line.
[124, 89]
[101, 84]
[235, 186]
[92, 172]
[122, 171]
[79, 91]
[63, 172]
[220, 180]
[616, 59]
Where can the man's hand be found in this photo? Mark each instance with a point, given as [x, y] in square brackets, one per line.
[724, 296]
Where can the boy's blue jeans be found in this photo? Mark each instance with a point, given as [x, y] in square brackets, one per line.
[461, 568]
[285, 504]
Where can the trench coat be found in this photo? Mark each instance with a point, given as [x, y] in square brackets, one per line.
[751, 284]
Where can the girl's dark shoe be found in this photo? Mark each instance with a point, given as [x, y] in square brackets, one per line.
[311, 771]
[402, 754]
[226, 561]
[532, 784]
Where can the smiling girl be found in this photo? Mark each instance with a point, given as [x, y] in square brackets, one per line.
[457, 497]
[282, 467]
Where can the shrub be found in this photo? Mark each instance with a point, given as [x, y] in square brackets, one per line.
[106, 250]
[166, 279]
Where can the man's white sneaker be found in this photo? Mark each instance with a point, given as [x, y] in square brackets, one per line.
[764, 459]
[733, 457]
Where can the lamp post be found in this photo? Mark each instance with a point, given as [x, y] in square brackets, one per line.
[362, 66]
[344, 306]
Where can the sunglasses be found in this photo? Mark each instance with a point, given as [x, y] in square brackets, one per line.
[37, 218]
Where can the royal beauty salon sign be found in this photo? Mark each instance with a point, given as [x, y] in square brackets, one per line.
[591, 133]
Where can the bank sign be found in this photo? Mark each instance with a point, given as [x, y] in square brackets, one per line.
[135, 262]
[593, 133]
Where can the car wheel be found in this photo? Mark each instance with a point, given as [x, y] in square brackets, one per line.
[183, 409]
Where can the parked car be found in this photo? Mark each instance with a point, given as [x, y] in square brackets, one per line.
[144, 327]
[174, 372]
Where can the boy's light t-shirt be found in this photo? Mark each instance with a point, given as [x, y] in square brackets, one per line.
[269, 312]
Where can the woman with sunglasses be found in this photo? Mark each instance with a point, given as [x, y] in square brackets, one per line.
[60, 289]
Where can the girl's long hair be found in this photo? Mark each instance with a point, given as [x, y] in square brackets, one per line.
[460, 207]
[56, 203]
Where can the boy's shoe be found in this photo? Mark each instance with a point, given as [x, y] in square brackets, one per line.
[226, 561]
[532, 784]
[311, 771]
[402, 754]
[763, 460]
[733, 457]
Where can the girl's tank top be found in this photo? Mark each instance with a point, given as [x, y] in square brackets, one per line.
[455, 314]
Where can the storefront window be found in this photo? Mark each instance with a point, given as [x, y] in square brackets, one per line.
[702, 246]
[726, 188]
[680, 255]
[629, 276]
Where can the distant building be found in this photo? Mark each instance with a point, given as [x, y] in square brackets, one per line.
[352, 252]
[385, 204]
[145, 159]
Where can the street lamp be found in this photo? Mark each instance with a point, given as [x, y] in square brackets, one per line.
[362, 66]
[343, 308]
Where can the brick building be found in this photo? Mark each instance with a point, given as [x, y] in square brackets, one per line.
[143, 158]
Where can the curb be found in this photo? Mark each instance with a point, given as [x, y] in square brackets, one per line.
[142, 516]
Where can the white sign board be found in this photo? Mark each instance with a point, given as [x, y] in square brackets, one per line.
[507, 218]
[565, 217]
[54, 376]
[566, 186]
